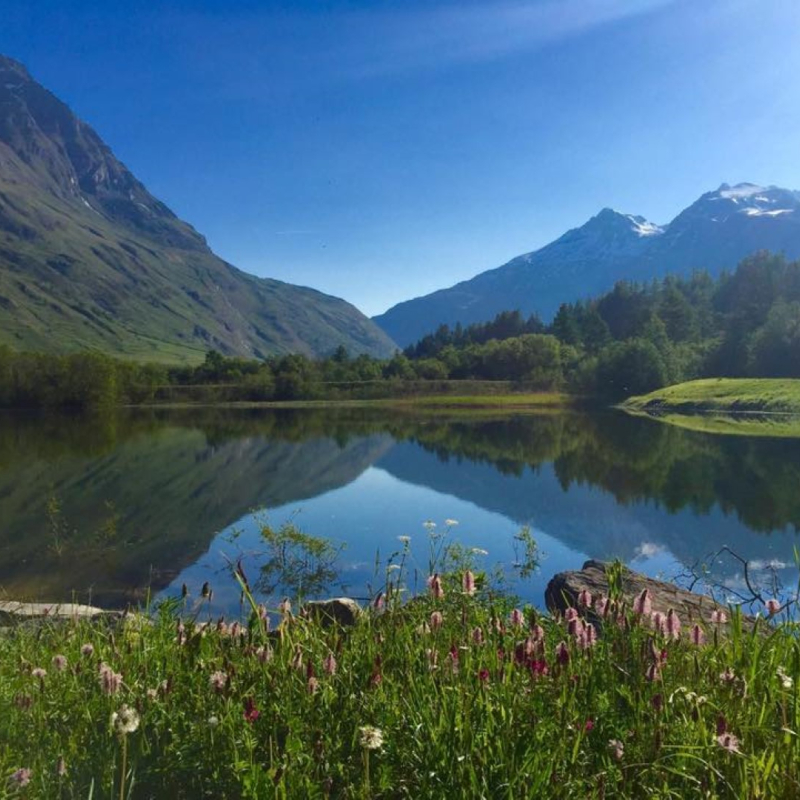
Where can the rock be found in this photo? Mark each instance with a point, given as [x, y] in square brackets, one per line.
[13, 612]
[563, 590]
[337, 611]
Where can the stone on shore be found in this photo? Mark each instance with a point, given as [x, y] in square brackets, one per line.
[13, 612]
[342, 611]
[564, 588]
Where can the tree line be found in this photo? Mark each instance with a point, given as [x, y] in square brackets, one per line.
[631, 340]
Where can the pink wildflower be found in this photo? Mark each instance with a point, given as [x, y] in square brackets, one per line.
[285, 607]
[329, 664]
[642, 605]
[264, 653]
[659, 622]
[585, 598]
[571, 614]
[477, 635]
[61, 767]
[773, 606]
[110, 681]
[588, 726]
[602, 605]
[379, 602]
[729, 676]
[698, 637]
[483, 675]
[437, 620]
[587, 637]
[435, 585]
[727, 741]
[673, 625]
[87, 649]
[617, 749]
[39, 673]
[718, 617]
[312, 685]
[60, 662]
[517, 618]
[218, 680]
[251, 713]
[562, 653]
[468, 583]
[22, 777]
[537, 633]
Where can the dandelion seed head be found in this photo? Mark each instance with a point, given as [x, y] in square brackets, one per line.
[125, 721]
[87, 649]
[370, 738]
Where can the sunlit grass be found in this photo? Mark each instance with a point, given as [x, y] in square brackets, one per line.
[454, 694]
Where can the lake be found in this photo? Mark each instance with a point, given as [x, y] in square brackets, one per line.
[119, 507]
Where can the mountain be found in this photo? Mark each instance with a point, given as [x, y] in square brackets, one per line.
[89, 259]
[714, 233]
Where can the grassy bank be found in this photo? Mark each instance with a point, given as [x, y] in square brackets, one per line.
[726, 395]
[452, 695]
[778, 426]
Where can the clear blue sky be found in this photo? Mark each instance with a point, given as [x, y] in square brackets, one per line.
[379, 151]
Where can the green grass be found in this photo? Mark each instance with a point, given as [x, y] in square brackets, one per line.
[729, 395]
[469, 702]
[777, 426]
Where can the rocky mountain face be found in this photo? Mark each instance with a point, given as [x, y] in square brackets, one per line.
[714, 233]
[90, 259]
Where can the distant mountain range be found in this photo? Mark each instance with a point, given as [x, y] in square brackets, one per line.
[89, 259]
[714, 233]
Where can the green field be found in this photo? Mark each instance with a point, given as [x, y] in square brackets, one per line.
[727, 395]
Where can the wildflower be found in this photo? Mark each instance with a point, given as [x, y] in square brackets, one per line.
[433, 658]
[452, 659]
[617, 749]
[657, 701]
[478, 551]
[235, 630]
[110, 681]
[718, 617]
[588, 726]
[59, 662]
[430, 525]
[517, 618]
[393, 568]
[642, 604]
[423, 629]
[404, 539]
[39, 673]
[653, 673]
[213, 722]
[125, 721]
[659, 622]
[497, 625]
[218, 680]
[264, 653]
[585, 598]
[562, 653]
[729, 676]
[786, 680]
[468, 583]
[329, 664]
[587, 637]
[698, 637]
[61, 767]
[539, 667]
[152, 694]
[379, 602]
[673, 625]
[537, 633]
[451, 522]
[23, 701]
[22, 777]
[437, 620]
[312, 685]
[435, 585]
[251, 713]
[477, 635]
[773, 606]
[87, 649]
[571, 614]
[483, 675]
[370, 738]
[285, 607]
[602, 605]
[180, 634]
[727, 741]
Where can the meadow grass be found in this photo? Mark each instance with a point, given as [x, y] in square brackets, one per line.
[453, 694]
[730, 395]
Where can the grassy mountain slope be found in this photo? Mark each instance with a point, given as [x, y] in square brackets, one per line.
[90, 260]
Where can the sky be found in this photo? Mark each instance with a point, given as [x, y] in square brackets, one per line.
[378, 151]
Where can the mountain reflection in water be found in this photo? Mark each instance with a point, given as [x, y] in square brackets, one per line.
[107, 507]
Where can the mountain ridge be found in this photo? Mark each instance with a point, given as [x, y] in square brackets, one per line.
[715, 232]
[89, 259]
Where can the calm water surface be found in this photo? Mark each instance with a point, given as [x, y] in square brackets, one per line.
[106, 508]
